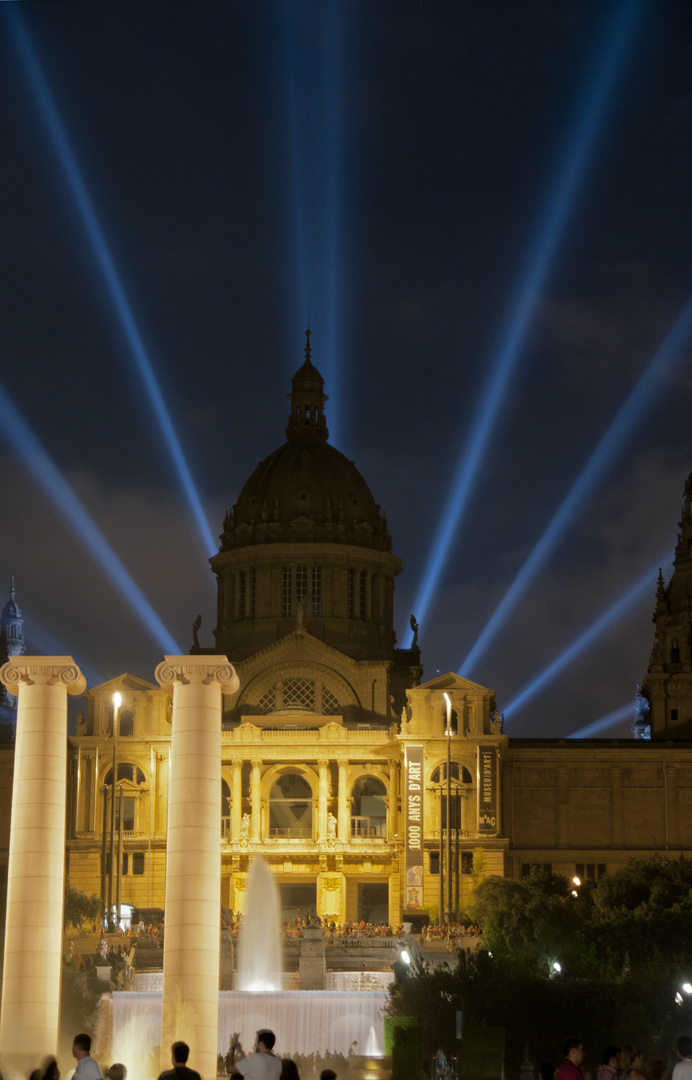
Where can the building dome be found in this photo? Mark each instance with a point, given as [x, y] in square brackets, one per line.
[306, 490]
[306, 546]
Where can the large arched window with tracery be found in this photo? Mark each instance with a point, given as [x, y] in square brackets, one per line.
[368, 808]
[290, 806]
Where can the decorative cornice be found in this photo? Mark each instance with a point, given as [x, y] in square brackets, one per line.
[43, 671]
[182, 670]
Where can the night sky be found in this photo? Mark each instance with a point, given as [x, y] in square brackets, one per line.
[392, 166]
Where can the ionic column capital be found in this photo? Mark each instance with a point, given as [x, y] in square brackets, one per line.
[182, 670]
[43, 671]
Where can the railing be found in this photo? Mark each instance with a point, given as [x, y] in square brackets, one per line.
[290, 834]
[362, 828]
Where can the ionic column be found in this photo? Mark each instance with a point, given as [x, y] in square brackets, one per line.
[36, 869]
[190, 1008]
[236, 799]
[323, 766]
[256, 801]
[342, 800]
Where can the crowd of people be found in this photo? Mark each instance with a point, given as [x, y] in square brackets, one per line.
[621, 1063]
[294, 929]
[450, 931]
[261, 1064]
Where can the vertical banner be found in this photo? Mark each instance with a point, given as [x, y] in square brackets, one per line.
[488, 809]
[413, 796]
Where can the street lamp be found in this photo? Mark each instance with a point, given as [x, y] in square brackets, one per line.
[116, 706]
[448, 733]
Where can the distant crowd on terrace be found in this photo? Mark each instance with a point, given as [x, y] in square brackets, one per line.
[453, 931]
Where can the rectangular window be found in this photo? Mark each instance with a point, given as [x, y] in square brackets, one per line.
[373, 598]
[128, 813]
[456, 811]
[467, 862]
[251, 593]
[286, 593]
[589, 871]
[351, 594]
[125, 722]
[674, 716]
[434, 862]
[126, 859]
[242, 594]
[137, 862]
[301, 582]
[317, 592]
[363, 594]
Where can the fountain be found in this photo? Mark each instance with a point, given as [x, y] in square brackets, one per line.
[259, 946]
[304, 1021]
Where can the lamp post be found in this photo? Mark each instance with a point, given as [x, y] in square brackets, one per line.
[116, 706]
[448, 733]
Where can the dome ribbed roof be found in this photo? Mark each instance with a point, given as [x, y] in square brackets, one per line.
[306, 490]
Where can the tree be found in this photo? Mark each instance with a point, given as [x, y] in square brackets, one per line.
[79, 906]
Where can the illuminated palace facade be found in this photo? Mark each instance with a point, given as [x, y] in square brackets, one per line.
[334, 752]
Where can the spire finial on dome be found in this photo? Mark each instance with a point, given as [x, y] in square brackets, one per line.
[308, 347]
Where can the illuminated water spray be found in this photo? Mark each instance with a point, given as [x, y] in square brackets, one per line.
[22, 441]
[570, 654]
[259, 944]
[612, 444]
[595, 95]
[87, 213]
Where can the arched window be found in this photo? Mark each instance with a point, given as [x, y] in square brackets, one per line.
[290, 806]
[368, 808]
[125, 771]
[440, 773]
[675, 651]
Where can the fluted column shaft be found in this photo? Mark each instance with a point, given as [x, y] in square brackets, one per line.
[322, 800]
[342, 800]
[236, 799]
[256, 800]
[36, 870]
[190, 1008]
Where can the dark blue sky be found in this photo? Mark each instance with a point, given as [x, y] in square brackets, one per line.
[385, 164]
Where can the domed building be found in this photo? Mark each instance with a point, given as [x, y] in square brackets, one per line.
[329, 720]
[358, 783]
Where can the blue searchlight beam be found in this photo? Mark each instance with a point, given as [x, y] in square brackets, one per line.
[21, 439]
[614, 612]
[60, 142]
[313, 122]
[573, 159]
[603, 457]
[596, 727]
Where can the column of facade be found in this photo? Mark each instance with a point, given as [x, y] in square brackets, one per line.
[190, 1009]
[342, 802]
[256, 800]
[323, 766]
[393, 800]
[236, 798]
[36, 870]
